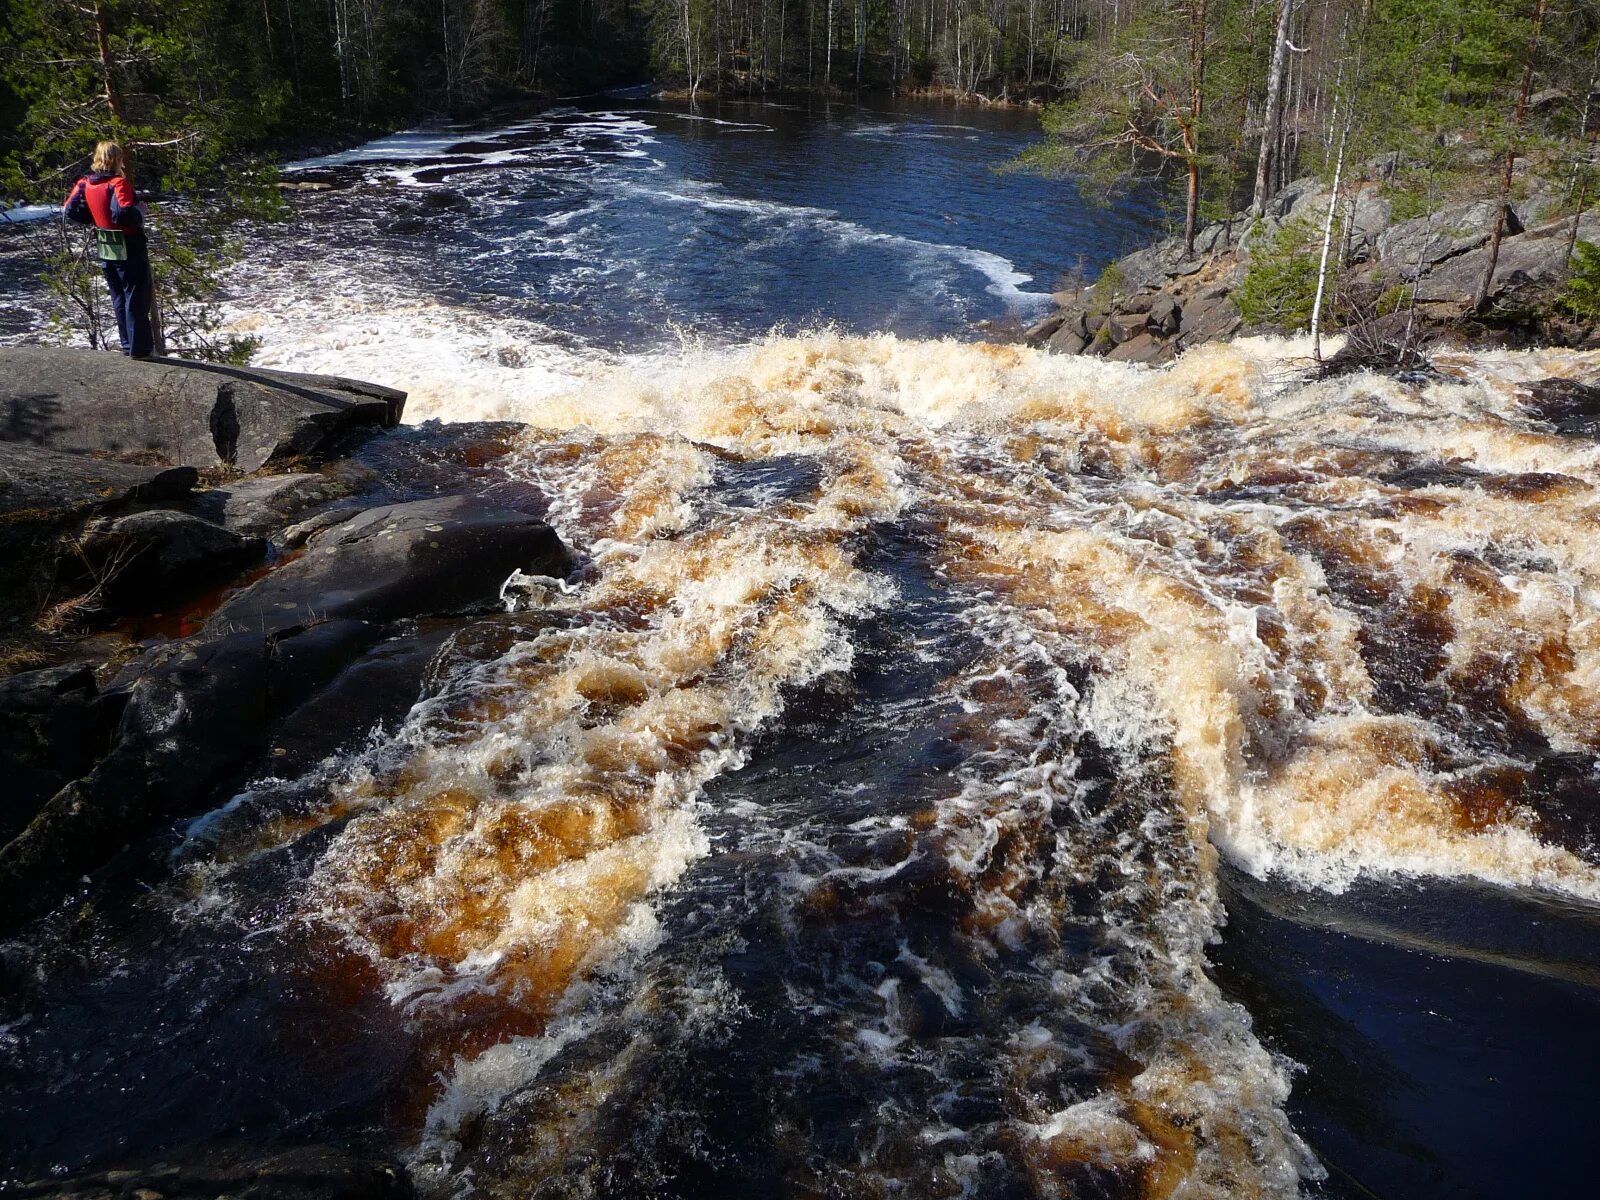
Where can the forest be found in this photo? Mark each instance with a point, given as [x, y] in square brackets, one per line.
[1221, 101]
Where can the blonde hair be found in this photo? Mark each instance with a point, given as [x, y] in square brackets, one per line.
[108, 160]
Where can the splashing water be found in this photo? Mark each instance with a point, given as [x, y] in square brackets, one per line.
[1014, 646]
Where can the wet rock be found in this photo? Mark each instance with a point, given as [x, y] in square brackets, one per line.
[379, 688]
[160, 557]
[1569, 405]
[175, 412]
[404, 560]
[1124, 326]
[303, 661]
[54, 726]
[235, 1172]
[193, 719]
[194, 714]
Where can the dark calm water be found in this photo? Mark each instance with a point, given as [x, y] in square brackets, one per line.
[625, 221]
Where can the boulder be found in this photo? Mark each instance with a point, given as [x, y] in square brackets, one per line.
[264, 505]
[54, 727]
[45, 494]
[381, 686]
[1451, 230]
[1142, 348]
[193, 714]
[174, 412]
[236, 1172]
[192, 718]
[156, 558]
[1209, 318]
[1569, 405]
[1041, 331]
[427, 557]
[1165, 315]
[1371, 217]
[39, 481]
[1125, 325]
[1067, 341]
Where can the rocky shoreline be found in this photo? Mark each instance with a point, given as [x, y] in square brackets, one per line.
[1406, 283]
[212, 574]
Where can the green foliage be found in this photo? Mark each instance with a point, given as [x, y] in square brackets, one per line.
[1394, 299]
[1581, 295]
[1280, 282]
[1111, 283]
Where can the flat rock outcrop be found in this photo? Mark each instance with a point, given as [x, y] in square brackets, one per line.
[170, 411]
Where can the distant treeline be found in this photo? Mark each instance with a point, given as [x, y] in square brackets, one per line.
[1223, 100]
[190, 82]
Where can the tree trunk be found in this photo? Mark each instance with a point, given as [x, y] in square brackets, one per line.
[102, 41]
[1273, 116]
[1497, 231]
[1327, 239]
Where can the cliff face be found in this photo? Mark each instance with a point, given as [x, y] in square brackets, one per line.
[1403, 280]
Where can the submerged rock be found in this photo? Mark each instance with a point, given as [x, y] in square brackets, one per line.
[424, 558]
[236, 1172]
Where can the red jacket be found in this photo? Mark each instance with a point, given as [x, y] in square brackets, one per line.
[106, 201]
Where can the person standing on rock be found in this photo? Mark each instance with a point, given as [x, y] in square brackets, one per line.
[104, 198]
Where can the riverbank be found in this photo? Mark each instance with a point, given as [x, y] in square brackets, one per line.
[1405, 285]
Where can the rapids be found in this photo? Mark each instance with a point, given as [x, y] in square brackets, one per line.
[862, 818]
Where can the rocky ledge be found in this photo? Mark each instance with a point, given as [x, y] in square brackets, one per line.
[209, 575]
[1412, 278]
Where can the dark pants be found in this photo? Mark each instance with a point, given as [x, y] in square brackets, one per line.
[129, 282]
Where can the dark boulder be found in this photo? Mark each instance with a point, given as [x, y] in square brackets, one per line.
[155, 558]
[1568, 404]
[45, 494]
[380, 687]
[54, 726]
[1164, 315]
[263, 505]
[171, 411]
[195, 718]
[1124, 326]
[1041, 331]
[424, 558]
[193, 715]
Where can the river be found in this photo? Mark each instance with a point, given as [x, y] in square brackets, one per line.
[955, 771]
